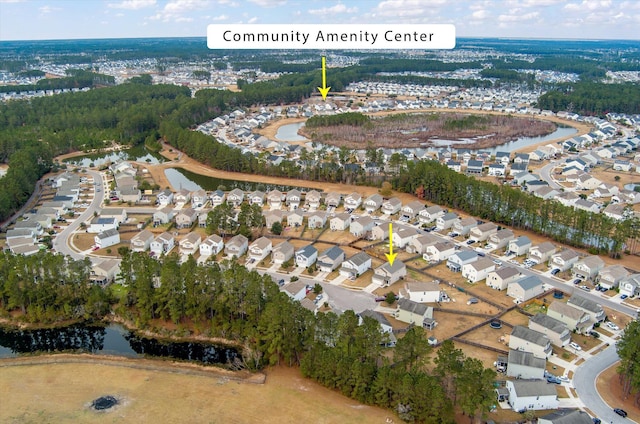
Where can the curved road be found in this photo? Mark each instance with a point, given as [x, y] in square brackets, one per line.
[584, 381]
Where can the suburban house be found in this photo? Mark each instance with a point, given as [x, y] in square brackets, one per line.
[105, 272]
[500, 239]
[412, 209]
[316, 219]
[373, 203]
[430, 214]
[306, 256]
[520, 246]
[478, 270]
[564, 260]
[190, 244]
[457, 260]
[588, 306]
[312, 199]
[415, 313]
[572, 317]
[356, 265]
[293, 199]
[419, 244]
[630, 285]
[260, 249]
[524, 365]
[99, 224]
[237, 246]
[542, 252]
[502, 277]
[218, 197]
[165, 197]
[361, 227]
[119, 214]
[446, 220]
[554, 329]
[107, 238]
[587, 268]
[340, 222]
[391, 206]
[526, 340]
[483, 232]
[421, 292]
[525, 288]
[186, 218]
[272, 216]
[282, 252]
[163, 216]
[295, 218]
[566, 416]
[440, 251]
[296, 290]
[162, 244]
[182, 196]
[212, 245]
[462, 226]
[256, 198]
[333, 199]
[331, 259]
[353, 201]
[385, 326]
[235, 197]
[275, 199]
[532, 395]
[387, 274]
[141, 241]
[380, 232]
[403, 235]
[198, 198]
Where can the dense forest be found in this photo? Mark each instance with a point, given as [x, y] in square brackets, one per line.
[227, 300]
[76, 78]
[628, 348]
[588, 98]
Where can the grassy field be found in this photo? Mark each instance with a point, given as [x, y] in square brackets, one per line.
[62, 393]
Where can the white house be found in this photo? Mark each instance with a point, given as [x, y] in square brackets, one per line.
[141, 241]
[391, 206]
[162, 244]
[630, 285]
[525, 288]
[527, 340]
[353, 201]
[99, 224]
[306, 256]
[532, 395]
[564, 260]
[237, 246]
[430, 214]
[361, 227]
[542, 253]
[331, 259]
[107, 238]
[588, 267]
[483, 232]
[190, 244]
[421, 292]
[478, 270]
[500, 239]
[609, 277]
[296, 290]
[502, 277]
[356, 265]
[524, 365]
[340, 222]
[212, 245]
[282, 252]
[440, 251]
[595, 310]
[462, 226]
[373, 202]
[520, 246]
[446, 221]
[554, 329]
[387, 274]
[457, 260]
[415, 313]
[260, 249]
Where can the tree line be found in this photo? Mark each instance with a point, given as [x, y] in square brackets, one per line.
[589, 98]
[227, 300]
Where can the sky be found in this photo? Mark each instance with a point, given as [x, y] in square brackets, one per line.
[555, 19]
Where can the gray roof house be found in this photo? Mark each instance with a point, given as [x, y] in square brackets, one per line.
[306, 256]
[574, 318]
[588, 267]
[237, 246]
[525, 288]
[446, 221]
[532, 341]
[282, 252]
[630, 285]
[532, 395]
[415, 313]
[542, 252]
[566, 416]
[373, 202]
[520, 246]
[589, 306]
[554, 329]
[387, 274]
[524, 365]
[457, 260]
[361, 227]
[356, 265]
[331, 259]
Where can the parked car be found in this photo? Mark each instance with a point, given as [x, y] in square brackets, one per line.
[612, 325]
[623, 297]
[577, 281]
[555, 271]
[597, 421]
[470, 242]
[554, 380]
[594, 334]
[575, 346]
[620, 412]
[585, 288]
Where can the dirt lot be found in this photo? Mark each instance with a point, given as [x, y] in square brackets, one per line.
[490, 337]
[63, 392]
[610, 390]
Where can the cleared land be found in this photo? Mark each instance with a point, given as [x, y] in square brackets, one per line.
[63, 393]
[419, 130]
[610, 389]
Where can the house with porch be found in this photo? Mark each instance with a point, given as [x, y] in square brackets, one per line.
[572, 317]
[630, 285]
[312, 199]
[415, 313]
[542, 252]
[163, 216]
[107, 238]
[306, 256]
[500, 239]
[256, 198]
[212, 245]
[446, 221]
[316, 219]
[500, 278]
[217, 198]
[421, 292]
[356, 265]
[412, 209]
[260, 249]
[235, 197]
[293, 199]
[186, 218]
[275, 199]
[554, 329]
[564, 260]
[483, 232]
[478, 270]
[295, 218]
[419, 244]
[430, 214]
[190, 244]
[333, 199]
[141, 241]
[587, 268]
[373, 203]
[352, 201]
[610, 276]
[462, 226]
[457, 260]
[391, 206]
[331, 259]
[282, 252]
[162, 244]
[440, 251]
[361, 227]
[520, 246]
[237, 246]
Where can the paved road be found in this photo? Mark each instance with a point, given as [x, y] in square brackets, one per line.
[60, 243]
[545, 174]
[584, 381]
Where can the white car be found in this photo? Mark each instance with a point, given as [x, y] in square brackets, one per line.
[575, 346]
[612, 325]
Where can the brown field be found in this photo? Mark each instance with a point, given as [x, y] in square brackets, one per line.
[337, 237]
[359, 283]
[490, 337]
[498, 296]
[63, 392]
[515, 317]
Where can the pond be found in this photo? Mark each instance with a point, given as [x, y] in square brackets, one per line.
[111, 340]
[181, 178]
[137, 154]
[289, 132]
[631, 186]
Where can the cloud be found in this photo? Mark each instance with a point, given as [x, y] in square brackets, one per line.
[132, 4]
[47, 9]
[220, 18]
[253, 20]
[407, 8]
[175, 10]
[12, 1]
[269, 3]
[338, 8]
[514, 16]
[481, 14]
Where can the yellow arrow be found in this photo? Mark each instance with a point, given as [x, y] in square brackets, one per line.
[391, 256]
[324, 90]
